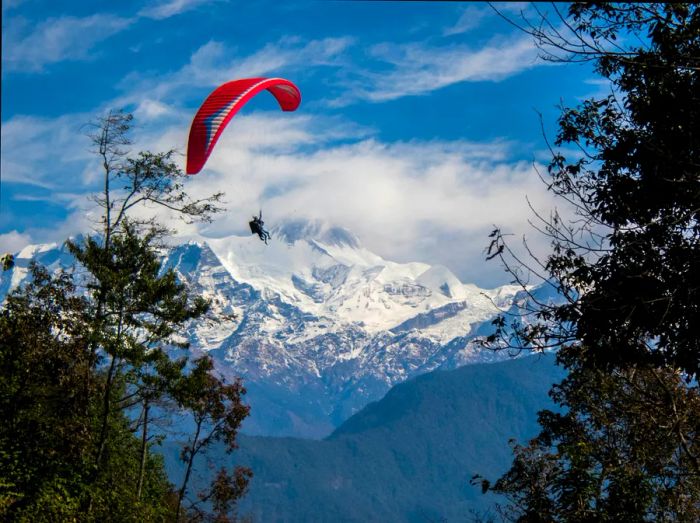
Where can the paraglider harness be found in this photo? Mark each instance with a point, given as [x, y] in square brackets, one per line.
[256, 227]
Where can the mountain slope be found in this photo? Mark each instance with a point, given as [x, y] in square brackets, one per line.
[407, 457]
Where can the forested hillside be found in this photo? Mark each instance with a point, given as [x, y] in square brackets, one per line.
[408, 457]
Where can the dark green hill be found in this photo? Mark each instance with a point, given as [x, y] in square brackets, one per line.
[407, 457]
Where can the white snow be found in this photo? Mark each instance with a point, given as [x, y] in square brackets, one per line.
[376, 293]
[314, 306]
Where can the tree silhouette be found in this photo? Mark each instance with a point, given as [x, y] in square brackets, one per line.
[627, 272]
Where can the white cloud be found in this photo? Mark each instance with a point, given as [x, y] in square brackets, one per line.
[415, 69]
[31, 47]
[408, 201]
[432, 201]
[35, 149]
[13, 241]
[470, 18]
[397, 69]
[168, 8]
[473, 15]
[512, 7]
[7, 5]
[424, 201]
[56, 40]
[214, 63]
[151, 110]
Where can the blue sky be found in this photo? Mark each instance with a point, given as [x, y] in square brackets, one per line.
[418, 127]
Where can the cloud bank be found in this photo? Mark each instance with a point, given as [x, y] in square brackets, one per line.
[431, 201]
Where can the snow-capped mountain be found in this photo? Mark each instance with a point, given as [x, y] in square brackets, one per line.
[317, 325]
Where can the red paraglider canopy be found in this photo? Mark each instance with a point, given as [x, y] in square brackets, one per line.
[222, 104]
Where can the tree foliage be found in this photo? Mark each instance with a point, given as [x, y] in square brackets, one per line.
[629, 266]
[625, 445]
[217, 412]
[85, 358]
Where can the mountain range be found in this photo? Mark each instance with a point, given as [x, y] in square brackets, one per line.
[315, 324]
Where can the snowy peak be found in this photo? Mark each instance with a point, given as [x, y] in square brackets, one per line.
[293, 231]
[443, 280]
[316, 324]
[323, 271]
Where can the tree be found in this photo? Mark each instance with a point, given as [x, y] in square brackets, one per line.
[624, 447]
[46, 440]
[628, 268]
[146, 178]
[217, 412]
[42, 355]
[100, 340]
[625, 444]
[141, 309]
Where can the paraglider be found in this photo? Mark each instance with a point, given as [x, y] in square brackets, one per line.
[219, 108]
[257, 227]
[222, 105]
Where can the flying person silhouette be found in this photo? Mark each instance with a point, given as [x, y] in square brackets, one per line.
[257, 227]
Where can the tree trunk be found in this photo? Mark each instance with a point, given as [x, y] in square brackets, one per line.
[102, 442]
[190, 462]
[144, 449]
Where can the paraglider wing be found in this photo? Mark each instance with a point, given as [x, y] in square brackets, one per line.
[222, 104]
